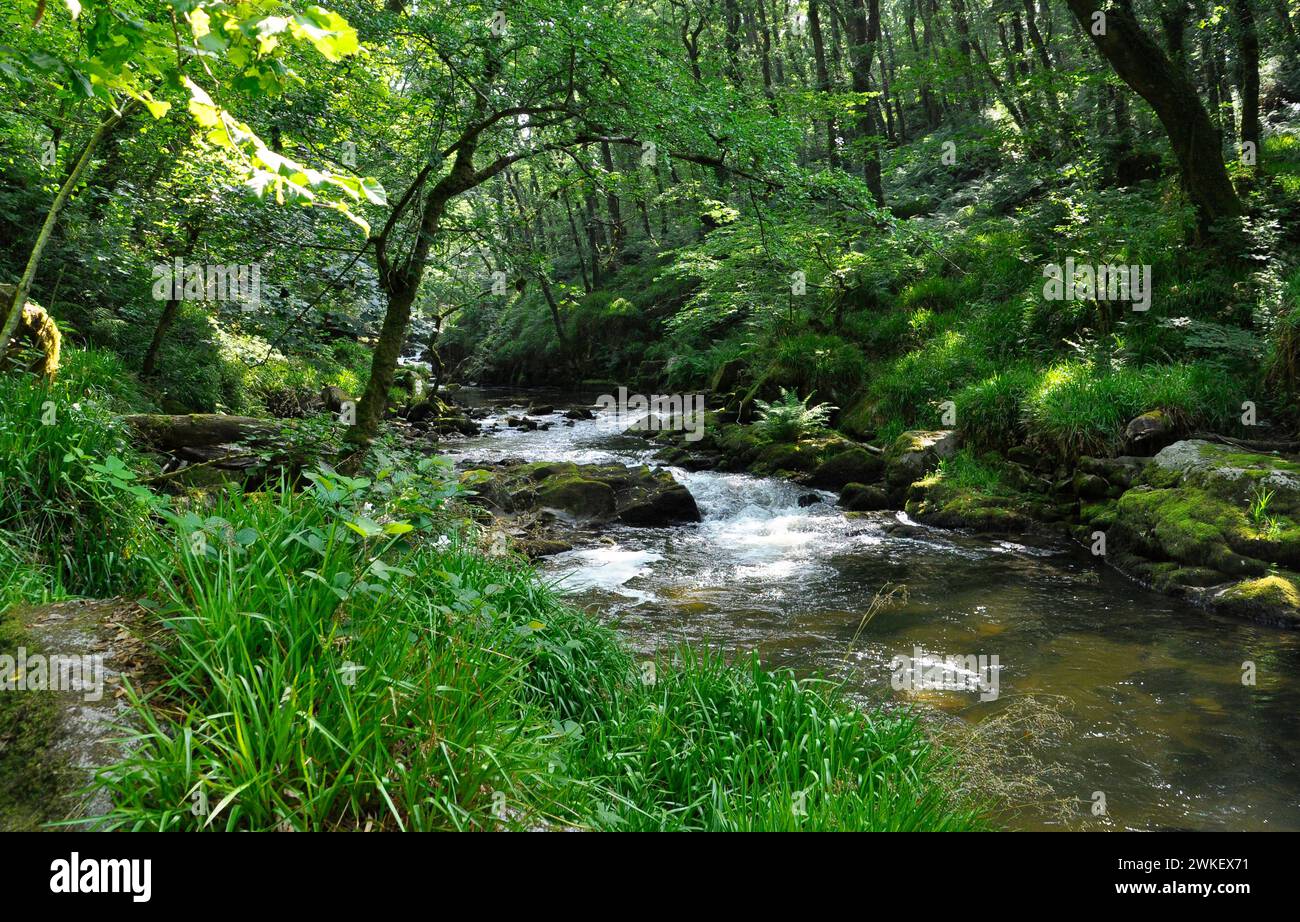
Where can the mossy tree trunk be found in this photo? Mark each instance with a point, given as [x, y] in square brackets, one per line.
[24, 286]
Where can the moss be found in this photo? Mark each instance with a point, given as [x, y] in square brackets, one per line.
[1224, 456]
[584, 499]
[1100, 514]
[860, 419]
[30, 771]
[740, 444]
[792, 457]
[1271, 590]
[1191, 526]
[913, 440]
[1274, 597]
[542, 470]
[938, 501]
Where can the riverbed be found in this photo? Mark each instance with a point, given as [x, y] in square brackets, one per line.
[1107, 695]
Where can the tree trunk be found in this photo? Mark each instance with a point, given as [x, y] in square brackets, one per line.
[1141, 64]
[577, 243]
[195, 430]
[1248, 80]
[171, 308]
[864, 29]
[24, 286]
[617, 231]
[823, 77]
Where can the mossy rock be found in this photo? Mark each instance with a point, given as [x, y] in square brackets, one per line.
[935, 501]
[583, 500]
[849, 465]
[862, 497]
[915, 453]
[860, 419]
[739, 445]
[542, 470]
[585, 493]
[1190, 526]
[787, 457]
[1195, 506]
[1100, 514]
[1274, 598]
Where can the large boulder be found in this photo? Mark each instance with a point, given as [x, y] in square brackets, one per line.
[1208, 508]
[935, 501]
[661, 503]
[585, 494]
[852, 465]
[913, 455]
[861, 497]
[580, 499]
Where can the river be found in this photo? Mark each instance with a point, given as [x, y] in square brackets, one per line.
[1107, 694]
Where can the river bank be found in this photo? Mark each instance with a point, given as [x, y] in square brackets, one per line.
[1146, 689]
[335, 652]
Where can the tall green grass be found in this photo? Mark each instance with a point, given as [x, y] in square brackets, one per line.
[1076, 408]
[69, 497]
[330, 669]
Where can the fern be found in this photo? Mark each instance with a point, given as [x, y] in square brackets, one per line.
[789, 418]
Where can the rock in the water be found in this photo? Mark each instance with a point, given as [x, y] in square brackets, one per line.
[587, 494]
[1211, 508]
[1274, 599]
[667, 505]
[853, 465]
[809, 499]
[861, 497]
[583, 500]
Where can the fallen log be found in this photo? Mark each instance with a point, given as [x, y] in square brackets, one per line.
[1284, 446]
[169, 433]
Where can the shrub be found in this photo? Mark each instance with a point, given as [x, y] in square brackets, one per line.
[67, 489]
[919, 380]
[933, 292]
[818, 364]
[331, 669]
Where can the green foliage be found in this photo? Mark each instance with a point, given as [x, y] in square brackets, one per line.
[313, 713]
[818, 364]
[67, 489]
[1076, 408]
[967, 470]
[712, 746]
[989, 412]
[911, 387]
[932, 293]
[789, 418]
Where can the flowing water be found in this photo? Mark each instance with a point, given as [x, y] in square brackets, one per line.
[1116, 689]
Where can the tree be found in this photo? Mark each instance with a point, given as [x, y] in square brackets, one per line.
[1148, 70]
[133, 54]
